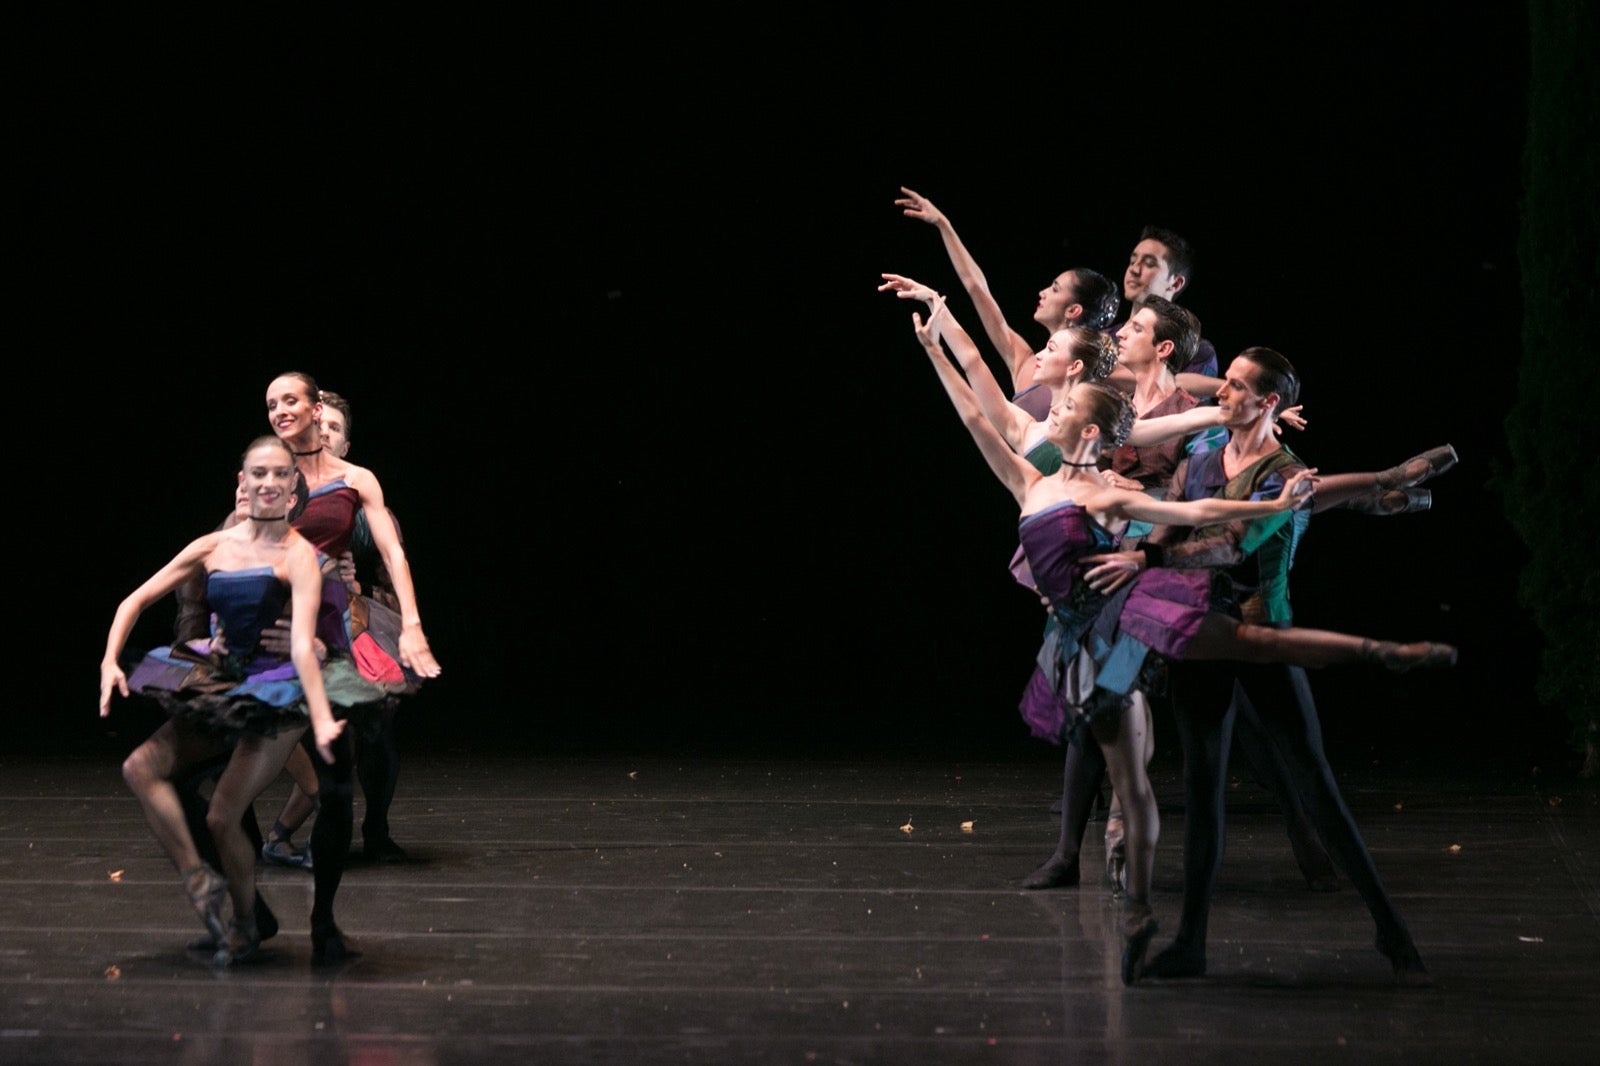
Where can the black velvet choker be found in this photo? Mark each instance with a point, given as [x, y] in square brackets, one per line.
[269, 518]
[299, 455]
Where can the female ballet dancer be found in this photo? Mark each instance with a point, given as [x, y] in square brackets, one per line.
[1106, 642]
[338, 491]
[234, 694]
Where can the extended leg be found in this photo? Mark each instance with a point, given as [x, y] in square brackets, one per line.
[1267, 765]
[1280, 699]
[330, 845]
[1204, 716]
[378, 767]
[255, 762]
[1221, 637]
[1123, 742]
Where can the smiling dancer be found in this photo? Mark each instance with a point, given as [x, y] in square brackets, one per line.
[339, 489]
[1108, 641]
[233, 693]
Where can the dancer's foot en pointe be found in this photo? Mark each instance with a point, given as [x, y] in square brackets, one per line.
[266, 928]
[1391, 502]
[1418, 468]
[1059, 872]
[1403, 657]
[1138, 929]
[242, 944]
[208, 891]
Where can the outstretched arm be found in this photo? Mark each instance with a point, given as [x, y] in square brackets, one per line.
[1018, 353]
[1137, 506]
[1011, 421]
[1151, 431]
[1015, 473]
[183, 567]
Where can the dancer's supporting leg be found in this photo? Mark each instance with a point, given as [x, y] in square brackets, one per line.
[196, 805]
[1204, 716]
[255, 762]
[1279, 699]
[330, 845]
[149, 770]
[378, 767]
[1122, 739]
[1268, 768]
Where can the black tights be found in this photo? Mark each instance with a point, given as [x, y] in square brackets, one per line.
[1276, 700]
[330, 832]
[377, 768]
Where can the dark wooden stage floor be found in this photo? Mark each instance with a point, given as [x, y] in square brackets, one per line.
[626, 910]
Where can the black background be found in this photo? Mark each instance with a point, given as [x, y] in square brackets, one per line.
[674, 477]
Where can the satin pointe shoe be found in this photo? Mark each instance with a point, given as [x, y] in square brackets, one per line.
[1403, 657]
[243, 944]
[266, 926]
[208, 892]
[1418, 468]
[276, 852]
[1391, 502]
[1117, 870]
[1139, 927]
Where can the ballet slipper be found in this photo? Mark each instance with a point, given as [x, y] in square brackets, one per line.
[208, 892]
[1139, 927]
[1418, 468]
[1403, 657]
[1391, 502]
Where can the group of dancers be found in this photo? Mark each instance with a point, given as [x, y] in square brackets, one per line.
[1159, 516]
[280, 649]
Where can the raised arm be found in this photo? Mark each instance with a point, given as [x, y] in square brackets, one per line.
[1014, 472]
[1016, 351]
[414, 651]
[1011, 421]
[1151, 431]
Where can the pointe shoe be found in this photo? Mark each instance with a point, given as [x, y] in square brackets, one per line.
[1418, 468]
[278, 852]
[266, 926]
[1403, 657]
[1139, 927]
[1391, 502]
[1117, 869]
[242, 944]
[208, 892]
[329, 947]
